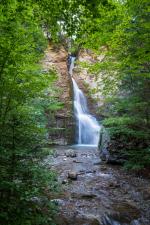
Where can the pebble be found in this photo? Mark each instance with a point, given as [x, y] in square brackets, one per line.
[64, 182]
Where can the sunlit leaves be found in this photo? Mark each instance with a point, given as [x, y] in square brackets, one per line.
[23, 101]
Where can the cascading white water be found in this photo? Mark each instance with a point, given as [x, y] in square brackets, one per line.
[87, 125]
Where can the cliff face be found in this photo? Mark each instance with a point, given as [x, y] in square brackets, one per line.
[61, 126]
[62, 123]
[88, 81]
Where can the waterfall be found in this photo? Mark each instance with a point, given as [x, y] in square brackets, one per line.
[88, 127]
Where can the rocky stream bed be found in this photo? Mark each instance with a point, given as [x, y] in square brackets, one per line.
[95, 193]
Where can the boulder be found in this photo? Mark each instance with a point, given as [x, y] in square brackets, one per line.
[64, 182]
[72, 175]
[146, 193]
[103, 144]
[125, 212]
[115, 159]
[71, 153]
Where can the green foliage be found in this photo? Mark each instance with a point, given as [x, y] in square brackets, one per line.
[129, 127]
[27, 199]
[26, 186]
[54, 106]
[138, 159]
[130, 140]
[120, 32]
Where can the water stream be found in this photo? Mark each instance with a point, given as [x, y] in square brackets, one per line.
[88, 127]
[92, 179]
[100, 194]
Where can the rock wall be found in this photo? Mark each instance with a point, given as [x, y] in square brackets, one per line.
[88, 81]
[61, 123]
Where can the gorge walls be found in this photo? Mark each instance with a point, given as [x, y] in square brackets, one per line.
[61, 124]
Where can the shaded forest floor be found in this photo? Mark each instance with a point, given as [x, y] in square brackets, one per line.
[95, 193]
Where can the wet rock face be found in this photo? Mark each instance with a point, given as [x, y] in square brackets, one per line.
[61, 120]
[115, 160]
[146, 193]
[56, 58]
[125, 212]
[74, 220]
[109, 154]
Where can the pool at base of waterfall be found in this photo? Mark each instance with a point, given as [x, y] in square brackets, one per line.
[84, 146]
